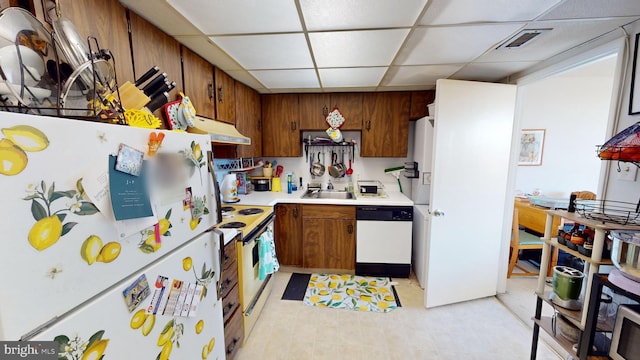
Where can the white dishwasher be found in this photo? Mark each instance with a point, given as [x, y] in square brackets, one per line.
[383, 240]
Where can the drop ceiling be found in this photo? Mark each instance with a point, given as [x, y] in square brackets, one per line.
[279, 46]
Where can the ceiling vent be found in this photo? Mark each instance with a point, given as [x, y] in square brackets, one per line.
[522, 38]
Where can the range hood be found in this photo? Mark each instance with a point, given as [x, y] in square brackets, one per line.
[221, 133]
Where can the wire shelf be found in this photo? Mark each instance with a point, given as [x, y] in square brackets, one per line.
[618, 212]
[237, 165]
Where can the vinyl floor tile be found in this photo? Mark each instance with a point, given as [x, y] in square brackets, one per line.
[483, 329]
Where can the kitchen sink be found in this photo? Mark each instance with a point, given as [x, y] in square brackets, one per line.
[328, 194]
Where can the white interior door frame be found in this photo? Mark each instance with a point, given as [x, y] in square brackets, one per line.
[619, 48]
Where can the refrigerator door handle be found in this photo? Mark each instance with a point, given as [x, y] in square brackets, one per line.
[220, 261]
[216, 188]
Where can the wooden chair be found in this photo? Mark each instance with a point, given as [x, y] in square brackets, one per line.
[521, 240]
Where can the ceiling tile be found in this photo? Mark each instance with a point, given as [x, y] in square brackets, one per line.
[359, 14]
[240, 16]
[456, 44]
[418, 75]
[442, 12]
[564, 36]
[267, 51]
[490, 71]
[351, 77]
[356, 48]
[287, 79]
[576, 9]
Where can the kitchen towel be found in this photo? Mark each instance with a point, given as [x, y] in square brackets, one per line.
[360, 293]
[267, 254]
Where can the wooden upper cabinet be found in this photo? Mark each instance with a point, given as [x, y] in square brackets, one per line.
[385, 127]
[153, 47]
[106, 20]
[419, 102]
[281, 125]
[314, 106]
[350, 106]
[198, 82]
[248, 120]
[311, 111]
[225, 90]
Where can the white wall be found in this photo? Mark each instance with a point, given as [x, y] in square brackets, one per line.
[618, 189]
[363, 168]
[573, 107]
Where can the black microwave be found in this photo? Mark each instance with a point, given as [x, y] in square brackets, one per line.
[625, 340]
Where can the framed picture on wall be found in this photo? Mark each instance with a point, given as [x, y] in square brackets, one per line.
[531, 146]
[634, 97]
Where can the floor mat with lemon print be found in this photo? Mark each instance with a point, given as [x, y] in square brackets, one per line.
[360, 293]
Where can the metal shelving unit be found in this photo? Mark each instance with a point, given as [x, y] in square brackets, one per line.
[579, 318]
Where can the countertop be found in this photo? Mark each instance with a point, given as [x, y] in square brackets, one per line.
[268, 198]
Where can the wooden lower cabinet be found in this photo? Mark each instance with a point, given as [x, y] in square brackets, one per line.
[233, 334]
[231, 309]
[329, 237]
[288, 234]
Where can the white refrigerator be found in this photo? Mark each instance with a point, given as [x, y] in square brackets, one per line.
[420, 189]
[143, 286]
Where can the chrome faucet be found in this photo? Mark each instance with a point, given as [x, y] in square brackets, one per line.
[329, 185]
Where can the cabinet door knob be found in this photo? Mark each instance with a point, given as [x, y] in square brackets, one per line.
[350, 228]
[220, 94]
[210, 90]
[295, 212]
[293, 126]
[368, 126]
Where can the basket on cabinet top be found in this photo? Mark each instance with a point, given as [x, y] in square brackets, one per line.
[617, 212]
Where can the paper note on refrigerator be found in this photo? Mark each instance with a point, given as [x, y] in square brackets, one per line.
[95, 183]
[129, 194]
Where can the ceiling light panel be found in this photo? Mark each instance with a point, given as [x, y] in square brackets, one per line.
[287, 79]
[240, 16]
[351, 77]
[359, 14]
[452, 45]
[356, 48]
[442, 12]
[418, 75]
[279, 51]
[564, 36]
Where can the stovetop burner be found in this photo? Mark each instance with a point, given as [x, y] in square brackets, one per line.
[227, 208]
[233, 225]
[250, 211]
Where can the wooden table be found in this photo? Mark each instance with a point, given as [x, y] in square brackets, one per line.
[534, 217]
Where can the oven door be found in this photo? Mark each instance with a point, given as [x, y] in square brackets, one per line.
[250, 266]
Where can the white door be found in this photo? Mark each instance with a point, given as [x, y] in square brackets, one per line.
[472, 147]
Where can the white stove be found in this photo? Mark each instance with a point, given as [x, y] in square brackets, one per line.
[252, 222]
